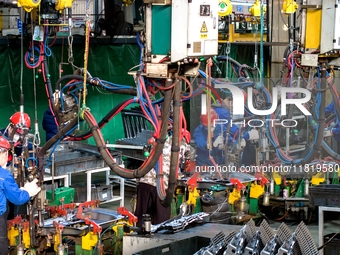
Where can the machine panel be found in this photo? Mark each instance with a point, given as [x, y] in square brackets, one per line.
[202, 28]
[330, 33]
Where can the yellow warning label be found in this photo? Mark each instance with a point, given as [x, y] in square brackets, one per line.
[204, 36]
[204, 28]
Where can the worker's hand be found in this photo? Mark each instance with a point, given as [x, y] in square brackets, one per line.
[32, 187]
[219, 142]
[327, 132]
[241, 144]
[253, 134]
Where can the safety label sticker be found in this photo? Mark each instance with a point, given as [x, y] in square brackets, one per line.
[204, 28]
[204, 31]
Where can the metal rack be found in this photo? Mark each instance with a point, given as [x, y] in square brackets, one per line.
[108, 177]
[321, 222]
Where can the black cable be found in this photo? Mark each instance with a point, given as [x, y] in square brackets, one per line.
[330, 239]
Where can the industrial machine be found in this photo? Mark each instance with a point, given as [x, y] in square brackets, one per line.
[240, 21]
[180, 44]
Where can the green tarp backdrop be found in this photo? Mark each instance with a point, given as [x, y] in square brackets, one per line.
[107, 62]
[110, 62]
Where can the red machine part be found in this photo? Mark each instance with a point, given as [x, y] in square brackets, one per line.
[192, 182]
[125, 212]
[96, 228]
[16, 221]
[238, 185]
[263, 180]
[26, 225]
[60, 210]
[92, 204]
[59, 227]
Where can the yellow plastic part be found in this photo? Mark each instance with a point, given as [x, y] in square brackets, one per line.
[28, 5]
[224, 8]
[277, 178]
[256, 190]
[234, 196]
[26, 238]
[313, 28]
[89, 241]
[115, 229]
[239, 37]
[63, 4]
[121, 224]
[289, 6]
[57, 241]
[318, 178]
[255, 9]
[193, 195]
[12, 233]
[128, 2]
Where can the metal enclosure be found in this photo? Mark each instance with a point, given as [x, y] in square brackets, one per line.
[278, 35]
[202, 28]
[10, 21]
[183, 29]
[179, 30]
[330, 32]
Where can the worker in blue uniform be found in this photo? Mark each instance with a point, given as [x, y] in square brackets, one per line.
[49, 124]
[18, 128]
[218, 137]
[248, 139]
[9, 191]
[19, 124]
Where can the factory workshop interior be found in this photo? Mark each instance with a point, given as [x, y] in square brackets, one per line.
[170, 127]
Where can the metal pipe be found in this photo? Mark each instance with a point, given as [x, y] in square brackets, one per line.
[175, 148]
[31, 220]
[303, 25]
[148, 28]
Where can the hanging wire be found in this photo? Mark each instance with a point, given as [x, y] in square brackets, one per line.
[261, 41]
[86, 53]
[36, 141]
[21, 53]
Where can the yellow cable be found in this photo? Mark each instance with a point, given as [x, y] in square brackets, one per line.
[210, 94]
[86, 53]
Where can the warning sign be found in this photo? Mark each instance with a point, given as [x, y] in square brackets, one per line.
[204, 28]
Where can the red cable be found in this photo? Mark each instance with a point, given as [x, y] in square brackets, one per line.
[118, 111]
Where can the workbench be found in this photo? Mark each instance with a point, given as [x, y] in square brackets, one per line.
[136, 243]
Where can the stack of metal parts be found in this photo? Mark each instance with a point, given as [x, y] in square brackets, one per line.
[241, 239]
[279, 242]
[217, 245]
[251, 240]
[179, 223]
[305, 240]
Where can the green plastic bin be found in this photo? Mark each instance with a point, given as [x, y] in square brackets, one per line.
[62, 193]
